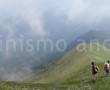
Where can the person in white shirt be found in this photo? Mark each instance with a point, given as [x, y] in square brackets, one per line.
[107, 67]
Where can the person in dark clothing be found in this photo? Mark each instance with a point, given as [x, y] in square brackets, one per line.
[94, 70]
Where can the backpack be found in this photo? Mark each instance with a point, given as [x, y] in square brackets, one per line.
[106, 66]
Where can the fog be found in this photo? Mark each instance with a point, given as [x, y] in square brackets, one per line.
[45, 19]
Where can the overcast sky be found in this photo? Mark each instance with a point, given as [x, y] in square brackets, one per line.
[61, 18]
[89, 13]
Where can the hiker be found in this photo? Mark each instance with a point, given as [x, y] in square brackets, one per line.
[95, 69]
[107, 67]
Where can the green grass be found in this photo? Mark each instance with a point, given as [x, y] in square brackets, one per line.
[75, 69]
[73, 72]
[80, 81]
[71, 64]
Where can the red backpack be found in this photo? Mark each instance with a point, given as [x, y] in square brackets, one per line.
[106, 66]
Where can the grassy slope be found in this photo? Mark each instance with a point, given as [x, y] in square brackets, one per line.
[72, 70]
[71, 64]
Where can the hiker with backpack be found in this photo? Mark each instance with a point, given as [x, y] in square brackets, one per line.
[107, 67]
[95, 69]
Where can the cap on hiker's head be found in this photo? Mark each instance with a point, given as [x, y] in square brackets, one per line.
[92, 63]
[108, 61]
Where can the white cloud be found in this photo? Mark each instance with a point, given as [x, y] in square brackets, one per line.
[89, 13]
[29, 10]
[83, 12]
[78, 11]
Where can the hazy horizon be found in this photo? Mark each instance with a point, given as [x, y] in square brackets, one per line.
[45, 20]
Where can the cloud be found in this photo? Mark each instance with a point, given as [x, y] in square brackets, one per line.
[85, 13]
[30, 11]
[82, 12]
[89, 13]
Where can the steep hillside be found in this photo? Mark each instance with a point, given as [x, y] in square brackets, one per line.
[73, 71]
[71, 64]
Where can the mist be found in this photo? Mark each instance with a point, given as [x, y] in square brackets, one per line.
[45, 19]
